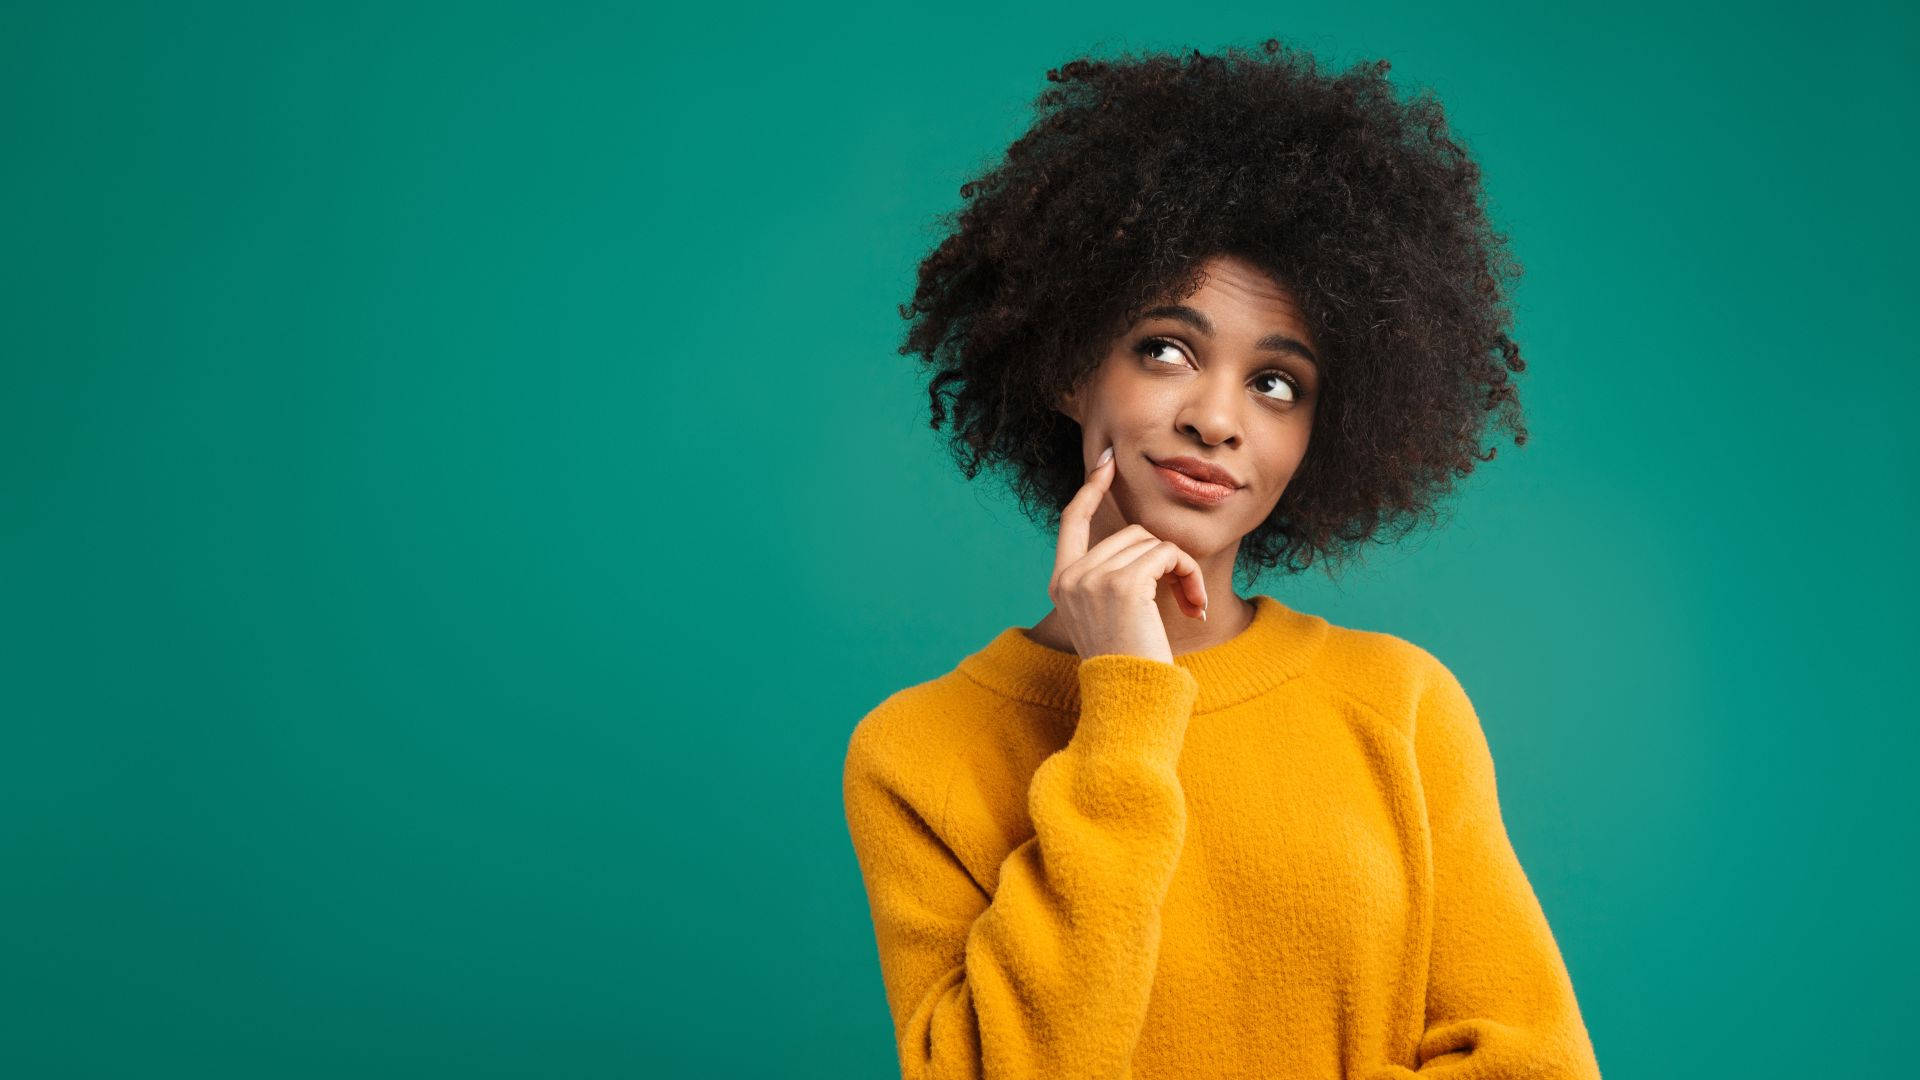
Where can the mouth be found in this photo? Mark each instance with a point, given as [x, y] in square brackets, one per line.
[1191, 488]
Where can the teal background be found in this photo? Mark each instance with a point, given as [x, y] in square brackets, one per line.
[435, 595]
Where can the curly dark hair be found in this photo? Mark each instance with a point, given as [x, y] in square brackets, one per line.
[1134, 173]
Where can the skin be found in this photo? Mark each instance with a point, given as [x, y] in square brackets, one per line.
[1211, 396]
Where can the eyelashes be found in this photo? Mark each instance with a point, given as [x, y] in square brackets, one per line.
[1149, 346]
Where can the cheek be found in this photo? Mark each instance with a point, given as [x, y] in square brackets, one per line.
[1127, 428]
[1285, 459]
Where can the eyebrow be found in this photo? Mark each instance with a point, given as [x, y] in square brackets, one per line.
[1199, 321]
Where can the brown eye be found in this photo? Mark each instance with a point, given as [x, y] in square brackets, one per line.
[1151, 346]
[1293, 388]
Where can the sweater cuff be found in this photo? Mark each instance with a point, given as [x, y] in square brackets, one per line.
[1134, 705]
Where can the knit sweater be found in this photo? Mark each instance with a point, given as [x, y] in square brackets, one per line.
[1280, 856]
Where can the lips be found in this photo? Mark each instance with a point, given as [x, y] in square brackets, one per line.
[1204, 471]
[1191, 490]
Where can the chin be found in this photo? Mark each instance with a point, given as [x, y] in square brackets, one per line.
[1196, 531]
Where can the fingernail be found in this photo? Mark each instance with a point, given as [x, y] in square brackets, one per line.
[1203, 614]
[1104, 455]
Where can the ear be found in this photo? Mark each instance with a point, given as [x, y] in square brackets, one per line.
[1069, 405]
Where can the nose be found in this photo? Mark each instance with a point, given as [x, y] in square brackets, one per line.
[1211, 411]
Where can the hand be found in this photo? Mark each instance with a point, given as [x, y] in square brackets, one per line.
[1105, 595]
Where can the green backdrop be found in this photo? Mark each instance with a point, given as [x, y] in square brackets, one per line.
[458, 493]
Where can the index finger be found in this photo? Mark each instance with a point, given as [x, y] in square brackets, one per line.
[1077, 518]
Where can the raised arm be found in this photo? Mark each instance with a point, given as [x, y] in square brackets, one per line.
[1050, 975]
[1500, 1002]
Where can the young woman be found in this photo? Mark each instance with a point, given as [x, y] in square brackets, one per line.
[1213, 314]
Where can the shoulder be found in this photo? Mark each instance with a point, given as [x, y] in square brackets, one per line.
[905, 741]
[1394, 677]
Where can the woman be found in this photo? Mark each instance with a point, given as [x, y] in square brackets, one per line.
[1214, 314]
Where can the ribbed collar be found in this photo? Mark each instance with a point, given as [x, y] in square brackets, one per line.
[1276, 646]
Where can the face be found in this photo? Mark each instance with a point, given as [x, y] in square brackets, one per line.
[1225, 376]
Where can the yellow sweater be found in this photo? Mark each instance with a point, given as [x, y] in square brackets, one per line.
[1282, 856]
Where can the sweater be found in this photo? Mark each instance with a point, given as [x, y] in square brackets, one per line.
[1281, 856]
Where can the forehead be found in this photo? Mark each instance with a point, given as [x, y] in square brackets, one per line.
[1236, 292]
[1234, 281]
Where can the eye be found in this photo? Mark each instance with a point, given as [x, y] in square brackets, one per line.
[1293, 388]
[1149, 347]
[1153, 345]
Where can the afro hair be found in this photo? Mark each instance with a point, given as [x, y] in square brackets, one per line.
[1133, 174]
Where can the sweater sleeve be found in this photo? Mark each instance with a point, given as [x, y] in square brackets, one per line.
[1049, 976]
[1500, 1001]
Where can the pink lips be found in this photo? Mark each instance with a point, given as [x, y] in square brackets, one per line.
[1186, 487]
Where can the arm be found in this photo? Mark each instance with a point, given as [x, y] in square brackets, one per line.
[1050, 976]
[1500, 1002]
